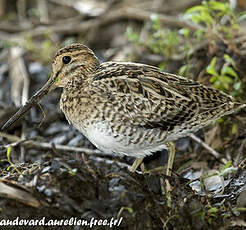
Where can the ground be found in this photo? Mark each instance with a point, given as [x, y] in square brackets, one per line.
[48, 169]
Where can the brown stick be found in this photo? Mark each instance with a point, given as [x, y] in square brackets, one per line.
[105, 19]
[212, 151]
[44, 145]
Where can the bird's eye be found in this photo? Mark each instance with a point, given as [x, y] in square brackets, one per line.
[66, 59]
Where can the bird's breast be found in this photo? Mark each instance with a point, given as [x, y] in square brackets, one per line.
[107, 127]
[102, 135]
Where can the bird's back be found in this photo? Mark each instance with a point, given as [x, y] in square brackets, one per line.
[161, 100]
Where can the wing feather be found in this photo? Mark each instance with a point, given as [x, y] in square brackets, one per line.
[155, 99]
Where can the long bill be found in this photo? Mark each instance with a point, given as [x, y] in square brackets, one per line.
[49, 86]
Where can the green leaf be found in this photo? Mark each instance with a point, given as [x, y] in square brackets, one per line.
[213, 61]
[196, 18]
[195, 9]
[242, 16]
[225, 79]
[227, 70]
[182, 69]
[210, 69]
[213, 210]
[206, 18]
[220, 6]
[213, 79]
[227, 165]
[132, 36]
[220, 120]
[228, 59]
[8, 154]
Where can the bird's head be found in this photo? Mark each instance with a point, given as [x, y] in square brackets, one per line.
[69, 63]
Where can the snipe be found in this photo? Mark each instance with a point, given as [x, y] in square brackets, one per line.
[129, 108]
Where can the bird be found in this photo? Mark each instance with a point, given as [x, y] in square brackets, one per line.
[127, 108]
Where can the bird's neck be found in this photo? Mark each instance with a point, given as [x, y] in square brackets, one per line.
[76, 82]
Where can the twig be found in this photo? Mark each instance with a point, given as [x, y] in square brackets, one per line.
[11, 191]
[92, 152]
[240, 152]
[161, 8]
[44, 145]
[89, 168]
[198, 140]
[12, 138]
[138, 14]
[105, 19]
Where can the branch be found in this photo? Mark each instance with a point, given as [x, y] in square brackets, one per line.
[198, 140]
[105, 19]
[44, 145]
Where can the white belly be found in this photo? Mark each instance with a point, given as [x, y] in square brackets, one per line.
[101, 135]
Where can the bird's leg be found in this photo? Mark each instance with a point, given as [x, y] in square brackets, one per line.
[135, 164]
[171, 151]
[171, 154]
[165, 184]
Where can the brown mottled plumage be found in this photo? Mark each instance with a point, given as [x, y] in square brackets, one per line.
[129, 108]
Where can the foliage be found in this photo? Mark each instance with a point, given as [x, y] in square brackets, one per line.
[159, 41]
[226, 79]
[8, 159]
[217, 22]
[216, 18]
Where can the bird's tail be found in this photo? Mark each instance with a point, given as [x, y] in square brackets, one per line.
[236, 107]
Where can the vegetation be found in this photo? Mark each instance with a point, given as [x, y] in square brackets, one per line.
[40, 159]
[218, 24]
